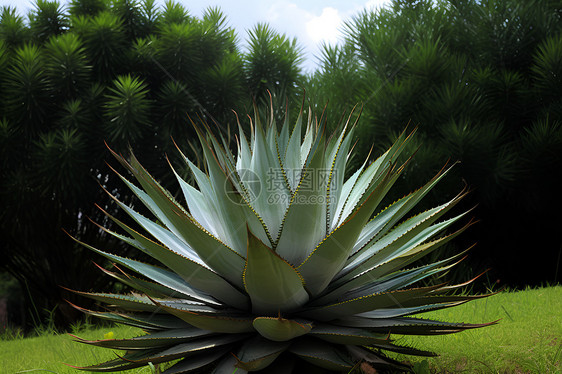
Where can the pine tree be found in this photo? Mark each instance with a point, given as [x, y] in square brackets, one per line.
[123, 72]
[481, 81]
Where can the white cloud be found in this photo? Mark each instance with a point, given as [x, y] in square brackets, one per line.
[325, 27]
[287, 18]
[285, 13]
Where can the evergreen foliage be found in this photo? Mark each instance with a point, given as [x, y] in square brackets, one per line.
[276, 54]
[125, 72]
[481, 79]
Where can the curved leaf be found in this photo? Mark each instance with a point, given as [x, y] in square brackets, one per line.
[410, 233]
[210, 249]
[304, 222]
[330, 255]
[367, 303]
[193, 272]
[386, 219]
[323, 354]
[149, 341]
[281, 329]
[273, 284]
[228, 366]
[134, 359]
[347, 335]
[224, 322]
[133, 302]
[151, 289]
[259, 353]
[408, 325]
[164, 277]
[196, 362]
[147, 322]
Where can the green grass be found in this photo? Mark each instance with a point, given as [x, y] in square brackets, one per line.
[48, 352]
[528, 339]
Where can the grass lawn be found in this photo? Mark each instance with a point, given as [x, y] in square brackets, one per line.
[528, 339]
[48, 352]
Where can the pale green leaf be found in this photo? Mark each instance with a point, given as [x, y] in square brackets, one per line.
[273, 285]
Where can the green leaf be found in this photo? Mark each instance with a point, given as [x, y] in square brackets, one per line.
[337, 162]
[292, 161]
[398, 280]
[366, 303]
[159, 275]
[210, 249]
[131, 302]
[194, 273]
[283, 138]
[379, 277]
[329, 257]
[273, 284]
[365, 183]
[408, 326]
[225, 196]
[304, 223]
[226, 322]
[128, 361]
[244, 153]
[408, 234]
[405, 350]
[160, 233]
[273, 199]
[144, 321]
[377, 271]
[158, 321]
[361, 354]
[400, 312]
[344, 195]
[228, 366]
[347, 335]
[196, 362]
[385, 220]
[151, 289]
[127, 109]
[323, 354]
[440, 299]
[229, 215]
[199, 208]
[313, 137]
[280, 329]
[192, 306]
[156, 356]
[155, 340]
[259, 353]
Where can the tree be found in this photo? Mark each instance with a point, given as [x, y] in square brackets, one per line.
[272, 63]
[123, 73]
[480, 80]
[47, 19]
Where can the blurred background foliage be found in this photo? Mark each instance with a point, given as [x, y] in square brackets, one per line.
[481, 81]
[124, 72]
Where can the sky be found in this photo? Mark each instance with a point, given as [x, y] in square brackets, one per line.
[310, 21]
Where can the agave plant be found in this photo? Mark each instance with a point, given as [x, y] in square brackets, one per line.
[275, 259]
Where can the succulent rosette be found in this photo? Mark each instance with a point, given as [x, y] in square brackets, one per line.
[275, 257]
